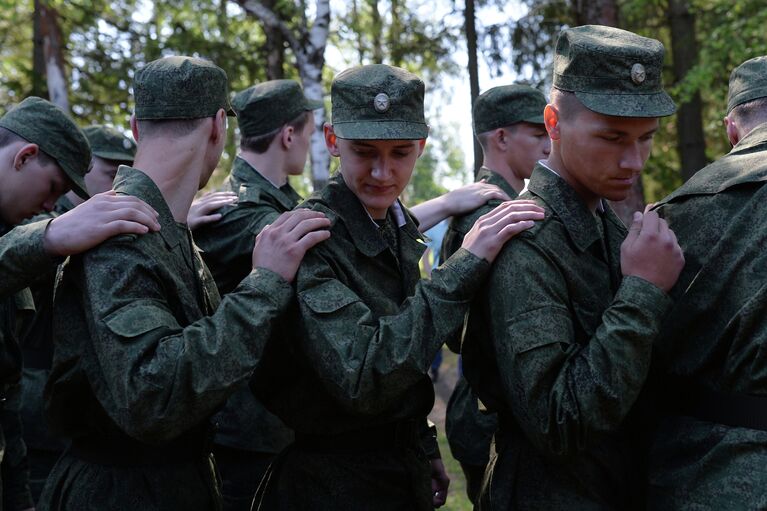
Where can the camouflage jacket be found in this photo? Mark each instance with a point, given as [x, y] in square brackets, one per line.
[568, 353]
[22, 256]
[715, 335]
[144, 355]
[469, 431]
[227, 248]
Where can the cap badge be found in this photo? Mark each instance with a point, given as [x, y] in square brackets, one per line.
[126, 143]
[638, 74]
[381, 102]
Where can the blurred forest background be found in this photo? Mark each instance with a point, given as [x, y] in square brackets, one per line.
[82, 55]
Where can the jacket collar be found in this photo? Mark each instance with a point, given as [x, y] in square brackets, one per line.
[363, 231]
[243, 173]
[494, 178]
[737, 167]
[563, 200]
[132, 181]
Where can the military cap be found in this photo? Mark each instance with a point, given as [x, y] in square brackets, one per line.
[268, 106]
[108, 143]
[56, 134]
[748, 82]
[612, 71]
[180, 88]
[506, 105]
[378, 102]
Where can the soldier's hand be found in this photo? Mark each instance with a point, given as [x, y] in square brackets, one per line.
[439, 483]
[281, 246]
[470, 197]
[492, 230]
[651, 252]
[203, 209]
[99, 218]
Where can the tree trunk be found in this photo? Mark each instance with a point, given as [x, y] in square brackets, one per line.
[605, 12]
[49, 55]
[39, 87]
[308, 47]
[691, 144]
[376, 31]
[471, 46]
[395, 29]
[275, 49]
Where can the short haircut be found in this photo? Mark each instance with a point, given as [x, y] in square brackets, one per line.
[259, 144]
[750, 114]
[174, 128]
[485, 136]
[8, 137]
[568, 105]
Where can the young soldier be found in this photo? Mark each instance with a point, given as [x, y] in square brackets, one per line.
[573, 311]
[145, 353]
[42, 154]
[711, 448]
[508, 122]
[276, 123]
[352, 377]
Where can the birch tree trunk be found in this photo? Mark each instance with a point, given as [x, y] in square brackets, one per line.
[308, 46]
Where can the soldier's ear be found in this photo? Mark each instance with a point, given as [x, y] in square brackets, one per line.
[286, 135]
[421, 146]
[24, 154]
[551, 121]
[731, 127]
[331, 141]
[134, 127]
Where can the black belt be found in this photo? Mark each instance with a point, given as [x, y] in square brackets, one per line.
[124, 451]
[735, 410]
[396, 435]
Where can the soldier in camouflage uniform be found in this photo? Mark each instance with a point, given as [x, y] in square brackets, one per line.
[351, 377]
[710, 447]
[145, 353]
[508, 122]
[572, 307]
[110, 148]
[276, 123]
[42, 154]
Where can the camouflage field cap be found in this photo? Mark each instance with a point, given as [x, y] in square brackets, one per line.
[268, 106]
[108, 143]
[378, 102]
[506, 105]
[612, 71]
[43, 123]
[748, 82]
[180, 88]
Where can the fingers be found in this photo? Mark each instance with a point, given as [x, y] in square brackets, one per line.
[650, 224]
[134, 215]
[311, 239]
[634, 229]
[123, 227]
[306, 226]
[291, 219]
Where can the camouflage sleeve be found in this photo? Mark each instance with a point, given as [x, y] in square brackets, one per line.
[368, 363]
[152, 376]
[562, 392]
[16, 495]
[429, 440]
[23, 258]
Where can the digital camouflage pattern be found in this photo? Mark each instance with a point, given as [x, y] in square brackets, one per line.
[227, 247]
[141, 363]
[470, 431]
[14, 474]
[43, 123]
[568, 353]
[356, 354]
[180, 87]
[23, 256]
[612, 71]
[748, 82]
[506, 105]
[378, 102]
[108, 143]
[43, 448]
[715, 335]
[268, 106]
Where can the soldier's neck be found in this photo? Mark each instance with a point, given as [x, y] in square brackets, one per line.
[500, 167]
[270, 164]
[177, 173]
